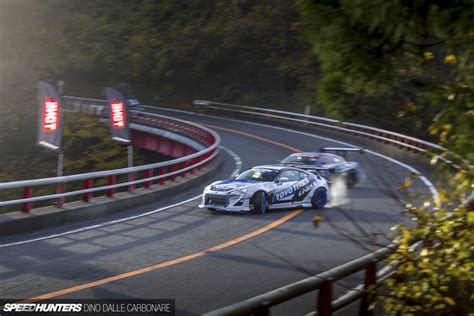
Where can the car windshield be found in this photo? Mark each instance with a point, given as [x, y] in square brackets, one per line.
[301, 159]
[259, 174]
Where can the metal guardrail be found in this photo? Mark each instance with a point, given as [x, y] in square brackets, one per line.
[168, 170]
[86, 105]
[261, 304]
[387, 137]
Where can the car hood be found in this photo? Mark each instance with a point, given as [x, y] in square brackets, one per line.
[301, 166]
[229, 185]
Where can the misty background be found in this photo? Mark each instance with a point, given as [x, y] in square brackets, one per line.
[401, 66]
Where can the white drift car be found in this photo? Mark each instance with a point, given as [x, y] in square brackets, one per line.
[267, 187]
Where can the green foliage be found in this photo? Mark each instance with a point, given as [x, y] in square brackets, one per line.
[455, 122]
[247, 50]
[438, 276]
[380, 58]
[400, 65]
[413, 60]
[87, 147]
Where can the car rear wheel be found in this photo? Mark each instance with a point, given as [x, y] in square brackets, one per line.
[351, 179]
[259, 202]
[319, 199]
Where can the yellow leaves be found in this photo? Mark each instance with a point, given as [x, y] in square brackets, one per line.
[428, 55]
[442, 195]
[316, 221]
[443, 230]
[407, 109]
[406, 235]
[434, 160]
[410, 268]
[447, 127]
[430, 274]
[449, 300]
[464, 255]
[440, 306]
[138, 40]
[409, 180]
[406, 184]
[450, 59]
[470, 218]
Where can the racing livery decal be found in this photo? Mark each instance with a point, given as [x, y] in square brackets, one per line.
[263, 188]
[297, 191]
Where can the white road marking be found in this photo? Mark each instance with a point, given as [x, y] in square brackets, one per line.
[434, 192]
[99, 225]
[167, 109]
[238, 167]
[426, 181]
[238, 161]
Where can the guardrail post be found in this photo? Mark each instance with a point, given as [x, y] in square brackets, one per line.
[60, 188]
[263, 309]
[131, 177]
[199, 159]
[148, 174]
[204, 157]
[86, 197]
[173, 169]
[191, 163]
[27, 193]
[162, 171]
[111, 181]
[184, 164]
[368, 295]
[325, 298]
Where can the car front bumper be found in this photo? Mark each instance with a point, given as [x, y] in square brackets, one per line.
[225, 202]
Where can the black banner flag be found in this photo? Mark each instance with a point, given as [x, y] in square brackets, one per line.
[118, 115]
[50, 116]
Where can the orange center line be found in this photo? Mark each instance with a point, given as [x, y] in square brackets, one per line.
[224, 245]
[129, 274]
[267, 140]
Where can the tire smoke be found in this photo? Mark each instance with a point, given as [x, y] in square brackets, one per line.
[338, 189]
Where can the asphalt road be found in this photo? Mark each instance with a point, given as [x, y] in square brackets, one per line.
[164, 255]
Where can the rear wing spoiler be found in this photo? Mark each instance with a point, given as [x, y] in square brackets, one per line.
[343, 149]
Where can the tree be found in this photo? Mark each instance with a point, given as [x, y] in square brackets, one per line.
[421, 53]
[379, 58]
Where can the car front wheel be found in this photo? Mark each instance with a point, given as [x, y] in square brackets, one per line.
[259, 202]
[320, 197]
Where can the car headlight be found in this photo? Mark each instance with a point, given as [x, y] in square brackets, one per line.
[239, 191]
[209, 188]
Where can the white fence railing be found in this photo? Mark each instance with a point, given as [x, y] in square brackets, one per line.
[261, 304]
[167, 170]
[380, 135]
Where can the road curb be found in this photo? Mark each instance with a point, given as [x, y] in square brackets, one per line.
[19, 222]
